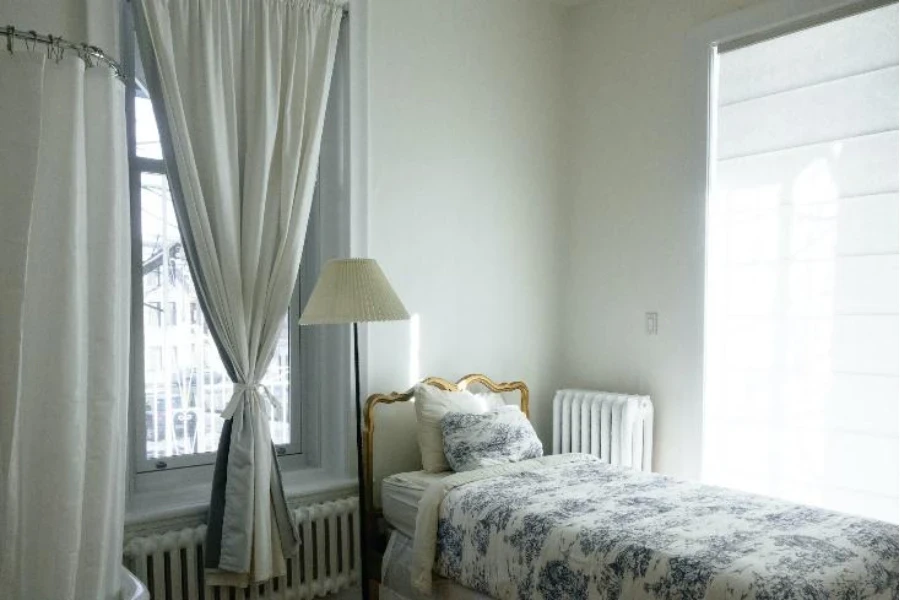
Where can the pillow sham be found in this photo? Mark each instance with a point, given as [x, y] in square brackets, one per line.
[473, 441]
[431, 405]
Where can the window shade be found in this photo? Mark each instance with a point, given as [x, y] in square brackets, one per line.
[803, 337]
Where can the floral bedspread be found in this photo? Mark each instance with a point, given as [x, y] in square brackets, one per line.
[583, 529]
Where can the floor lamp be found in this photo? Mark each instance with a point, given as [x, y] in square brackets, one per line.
[354, 290]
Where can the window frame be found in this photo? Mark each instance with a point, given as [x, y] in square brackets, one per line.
[183, 468]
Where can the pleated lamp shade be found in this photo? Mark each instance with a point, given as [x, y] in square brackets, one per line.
[352, 290]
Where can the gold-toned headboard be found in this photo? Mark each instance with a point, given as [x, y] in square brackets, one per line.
[376, 399]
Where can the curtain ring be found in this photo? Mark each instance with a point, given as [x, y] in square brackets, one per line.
[54, 50]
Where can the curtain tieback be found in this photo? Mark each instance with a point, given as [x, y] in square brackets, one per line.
[240, 388]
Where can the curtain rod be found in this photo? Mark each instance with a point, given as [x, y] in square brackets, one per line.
[344, 10]
[57, 47]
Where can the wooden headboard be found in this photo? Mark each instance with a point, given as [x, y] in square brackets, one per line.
[392, 417]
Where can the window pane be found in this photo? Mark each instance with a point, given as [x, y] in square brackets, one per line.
[185, 384]
[146, 134]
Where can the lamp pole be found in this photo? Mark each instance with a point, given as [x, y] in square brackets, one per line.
[360, 473]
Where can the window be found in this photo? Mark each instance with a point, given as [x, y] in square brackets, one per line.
[181, 385]
[802, 348]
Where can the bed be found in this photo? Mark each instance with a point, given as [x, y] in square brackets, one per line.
[570, 526]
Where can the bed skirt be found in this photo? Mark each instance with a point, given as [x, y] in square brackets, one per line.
[396, 583]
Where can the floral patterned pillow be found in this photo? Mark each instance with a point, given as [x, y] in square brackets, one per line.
[473, 441]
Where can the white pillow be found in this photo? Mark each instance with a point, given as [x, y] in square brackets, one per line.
[431, 406]
[493, 399]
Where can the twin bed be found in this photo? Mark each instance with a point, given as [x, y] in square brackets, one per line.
[570, 526]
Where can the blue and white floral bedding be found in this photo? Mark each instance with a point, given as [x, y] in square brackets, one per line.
[497, 437]
[567, 527]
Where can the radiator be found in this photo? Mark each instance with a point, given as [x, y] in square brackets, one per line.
[617, 428]
[171, 564]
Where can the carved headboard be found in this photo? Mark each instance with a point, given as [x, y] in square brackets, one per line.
[390, 443]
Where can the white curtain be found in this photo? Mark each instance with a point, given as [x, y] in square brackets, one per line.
[802, 298]
[64, 331]
[240, 90]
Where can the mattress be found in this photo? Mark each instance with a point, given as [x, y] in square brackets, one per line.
[400, 495]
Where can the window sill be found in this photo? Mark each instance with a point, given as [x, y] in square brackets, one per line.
[187, 505]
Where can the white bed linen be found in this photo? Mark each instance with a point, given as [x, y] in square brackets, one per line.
[425, 536]
[400, 495]
[396, 583]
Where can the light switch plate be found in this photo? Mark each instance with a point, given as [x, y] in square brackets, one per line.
[652, 322]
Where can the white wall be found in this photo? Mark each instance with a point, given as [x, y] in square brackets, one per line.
[464, 179]
[94, 22]
[637, 211]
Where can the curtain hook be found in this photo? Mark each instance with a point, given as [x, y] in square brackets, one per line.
[10, 34]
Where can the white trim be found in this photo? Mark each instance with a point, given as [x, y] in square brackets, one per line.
[702, 40]
[846, 9]
[360, 188]
[765, 17]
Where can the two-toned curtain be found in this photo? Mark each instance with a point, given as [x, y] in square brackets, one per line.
[240, 89]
